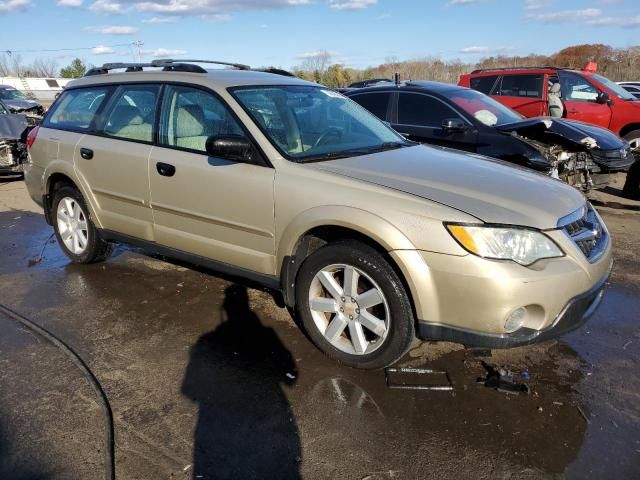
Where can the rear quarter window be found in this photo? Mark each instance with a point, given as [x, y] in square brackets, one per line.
[483, 84]
[529, 86]
[77, 108]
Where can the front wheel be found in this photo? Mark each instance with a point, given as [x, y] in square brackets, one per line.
[353, 306]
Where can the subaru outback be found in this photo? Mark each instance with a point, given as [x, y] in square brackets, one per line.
[372, 239]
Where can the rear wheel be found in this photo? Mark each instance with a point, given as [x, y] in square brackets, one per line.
[633, 137]
[353, 306]
[76, 233]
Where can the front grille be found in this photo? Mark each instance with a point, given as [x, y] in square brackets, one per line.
[585, 228]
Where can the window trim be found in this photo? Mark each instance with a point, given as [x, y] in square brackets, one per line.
[262, 158]
[455, 110]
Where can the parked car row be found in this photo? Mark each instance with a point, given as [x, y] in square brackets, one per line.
[371, 239]
[465, 119]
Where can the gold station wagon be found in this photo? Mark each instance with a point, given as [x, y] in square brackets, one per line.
[372, 239]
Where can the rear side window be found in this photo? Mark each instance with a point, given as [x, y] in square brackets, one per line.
[77, 108]
[132, 112]
[483, 84]
[529, 86]
[190, 116]
[377, 103]
[423, 110]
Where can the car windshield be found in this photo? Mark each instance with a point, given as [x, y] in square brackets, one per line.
[484, 108]
[614, 87]
[11, 94]
[308, 123]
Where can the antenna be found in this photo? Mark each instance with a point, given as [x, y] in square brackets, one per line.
[396, 79]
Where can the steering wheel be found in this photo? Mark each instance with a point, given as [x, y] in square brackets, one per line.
[328, 133]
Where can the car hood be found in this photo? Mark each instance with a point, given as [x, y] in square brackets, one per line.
[19, 105]
[568, 133]
[490, 190]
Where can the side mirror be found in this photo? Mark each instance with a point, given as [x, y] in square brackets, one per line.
[454, 125]
[603, 97]
[231, 147]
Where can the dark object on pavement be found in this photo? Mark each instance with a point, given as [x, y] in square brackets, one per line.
[502, 380]
[13, 146]
[415, 378]
[632, 184]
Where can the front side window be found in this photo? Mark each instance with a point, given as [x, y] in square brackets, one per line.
[423, 110]
[576, 87]
[190, 116]
[614, 87]
[377, 103]
[521, 86]
[131, 114]
[307, 123]
[483, 84]
[77, 108]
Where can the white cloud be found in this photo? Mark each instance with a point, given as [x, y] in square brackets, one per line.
[107, 7]
[113, 30]
[384, 16]
[11, 6]
[163, 52]
[536, 4]
[630, 22]
[351, 4]
[453, 3]
[69, 3]
[156, 20]
[102, 50]
[474, 49]
[566, 15]
[210, 7]
[317, 53]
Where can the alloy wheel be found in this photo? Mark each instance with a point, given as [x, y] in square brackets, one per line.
[72, 225]
[349, 309]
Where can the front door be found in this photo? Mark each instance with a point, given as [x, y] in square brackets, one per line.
[212, 207]
[421, 117]
[580, 98]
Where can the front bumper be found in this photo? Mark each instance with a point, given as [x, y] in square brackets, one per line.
[575, 313]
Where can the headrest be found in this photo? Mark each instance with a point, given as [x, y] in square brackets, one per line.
[124, 115]
[190, 121]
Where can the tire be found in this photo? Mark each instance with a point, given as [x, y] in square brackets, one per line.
[380, 306]
[69, 214]
[633, 137]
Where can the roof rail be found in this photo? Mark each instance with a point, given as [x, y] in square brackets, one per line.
[500, 69]
[167, 64]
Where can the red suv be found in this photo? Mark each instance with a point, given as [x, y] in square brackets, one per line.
[583, 95]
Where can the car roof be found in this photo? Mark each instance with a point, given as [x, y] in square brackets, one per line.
[222, 78]
[431, 86]
[513, 70]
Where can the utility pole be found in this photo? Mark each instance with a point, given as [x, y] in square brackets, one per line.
[138, 44]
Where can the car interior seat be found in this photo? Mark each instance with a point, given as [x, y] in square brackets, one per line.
[126, 121]
[556, 107]
[190, 127]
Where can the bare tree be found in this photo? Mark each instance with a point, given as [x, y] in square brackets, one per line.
[45, 67]
[317, 61]
[5, 66]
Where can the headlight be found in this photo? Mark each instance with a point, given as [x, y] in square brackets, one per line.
[521, 245]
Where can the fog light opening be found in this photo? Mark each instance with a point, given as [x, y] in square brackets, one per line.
[515, 320]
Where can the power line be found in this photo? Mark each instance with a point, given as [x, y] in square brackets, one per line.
[11, 52]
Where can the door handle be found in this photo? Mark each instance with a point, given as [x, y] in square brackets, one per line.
[165, 169]
[86, 153]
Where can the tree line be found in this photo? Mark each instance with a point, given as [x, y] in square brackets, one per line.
[13, 65]
[618, 64]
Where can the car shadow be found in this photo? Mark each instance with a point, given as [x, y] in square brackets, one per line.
[237, 374]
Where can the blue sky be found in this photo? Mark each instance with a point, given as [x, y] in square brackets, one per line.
[283, 33]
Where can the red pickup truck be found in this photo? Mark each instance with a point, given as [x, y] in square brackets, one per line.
[583, 95]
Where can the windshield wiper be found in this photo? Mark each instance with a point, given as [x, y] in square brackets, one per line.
[356, 151]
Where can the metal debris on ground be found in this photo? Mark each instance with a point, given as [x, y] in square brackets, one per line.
[38, 259]
[417, 379]
[503, 380]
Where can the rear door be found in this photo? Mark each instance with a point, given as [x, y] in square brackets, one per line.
[113, 160]
[523, 93]
[420, 117]
[580, 96]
